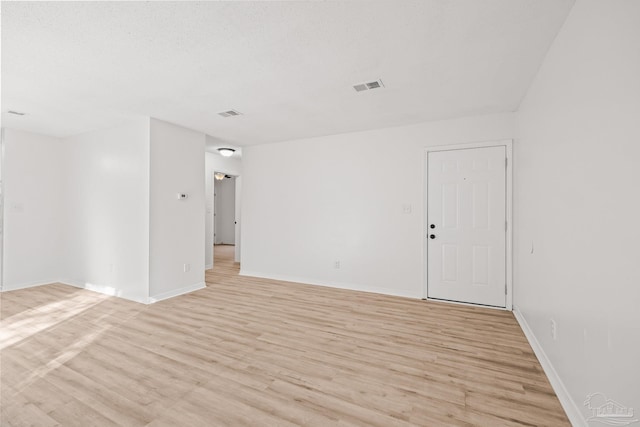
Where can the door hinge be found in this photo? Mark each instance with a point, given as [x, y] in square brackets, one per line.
[505, 288]
[506, 226]
[506, 162]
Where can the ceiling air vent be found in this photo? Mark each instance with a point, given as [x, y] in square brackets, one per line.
[230, 113]
[360, 87]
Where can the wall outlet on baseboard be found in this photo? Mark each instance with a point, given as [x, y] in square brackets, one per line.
[187, 267]
[554, 330]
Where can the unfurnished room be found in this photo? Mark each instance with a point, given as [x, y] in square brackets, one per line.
[320, 213]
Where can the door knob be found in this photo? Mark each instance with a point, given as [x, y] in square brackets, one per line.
[432, 236]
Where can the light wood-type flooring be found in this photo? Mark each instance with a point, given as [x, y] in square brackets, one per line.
[256, 352]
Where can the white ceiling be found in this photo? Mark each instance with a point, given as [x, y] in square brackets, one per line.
[288, 67]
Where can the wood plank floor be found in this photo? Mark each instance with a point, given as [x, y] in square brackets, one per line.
[248, 351]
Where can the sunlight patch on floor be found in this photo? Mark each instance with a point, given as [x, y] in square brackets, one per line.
[69, 353]
[23, 325]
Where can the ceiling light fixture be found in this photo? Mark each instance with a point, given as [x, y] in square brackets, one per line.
[219, 176]
[226, 152]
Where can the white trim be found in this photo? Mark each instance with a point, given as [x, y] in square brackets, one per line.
[2, 230]
[338, 285]
[27, 285]
[109, 290]
[468, 304]
[508, 144]
[106, 290]
[176, 292]
[509, 213]
[568, 404]
[208, 266]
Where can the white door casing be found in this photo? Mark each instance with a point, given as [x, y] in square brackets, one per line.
[468, 248]
[238, 216]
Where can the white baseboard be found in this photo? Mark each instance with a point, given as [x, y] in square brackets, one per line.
[176, 292]
[349, 286]
[106, 290]
[7, 288]
[208, 266]
[568, 404]
[109, 290]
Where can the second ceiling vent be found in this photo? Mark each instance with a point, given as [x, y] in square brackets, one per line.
[230, 113]
[360, 87]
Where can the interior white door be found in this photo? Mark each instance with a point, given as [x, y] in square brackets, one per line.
[466, 225]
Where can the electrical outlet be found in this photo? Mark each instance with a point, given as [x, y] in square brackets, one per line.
[336, 264]
[187, 267]
[554, 330]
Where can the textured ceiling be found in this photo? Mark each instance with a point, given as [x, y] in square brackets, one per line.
[288, 67]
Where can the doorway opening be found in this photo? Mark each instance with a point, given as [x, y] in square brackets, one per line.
[225, 218]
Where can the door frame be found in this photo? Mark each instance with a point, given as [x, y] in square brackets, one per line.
[508, 144]
[238, 203]
[2, 230]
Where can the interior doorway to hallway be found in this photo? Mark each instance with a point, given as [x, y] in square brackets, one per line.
[224, 213]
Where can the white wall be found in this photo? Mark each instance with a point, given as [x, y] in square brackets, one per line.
[106, 207]
[225, 211]
[100, 210]
[309, 203]
[32, 184]
[215, 162]
[177, 227]
[577, 204]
